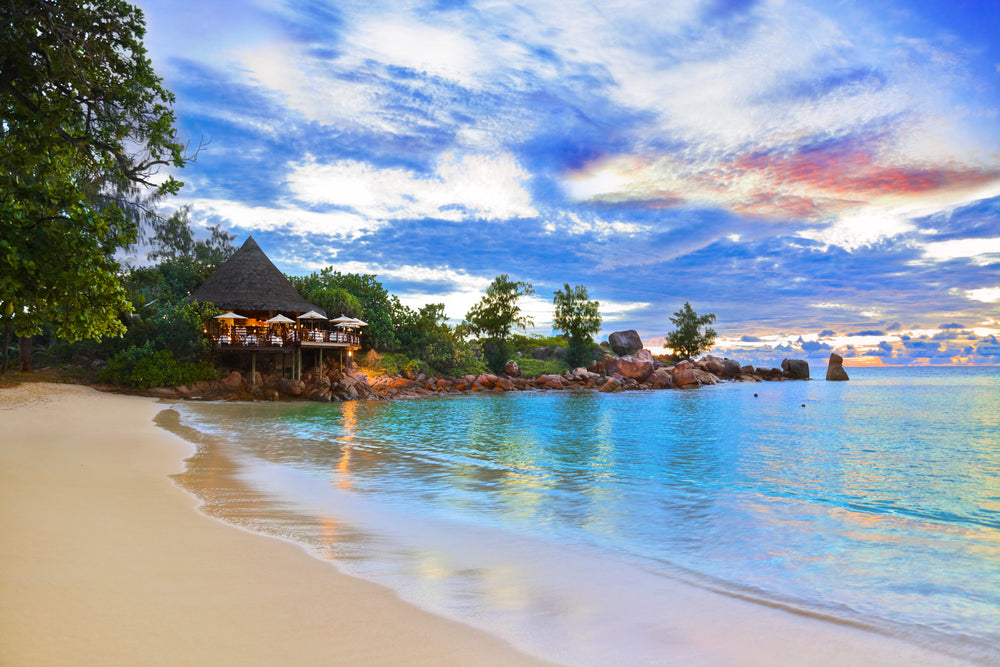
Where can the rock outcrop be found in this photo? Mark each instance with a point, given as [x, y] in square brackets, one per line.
[797, 369]
[636, 371]
[684, 374]
[730, 369]
[835, 369]
[625, 343]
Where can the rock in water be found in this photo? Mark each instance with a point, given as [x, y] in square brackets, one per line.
[684, 374]
[796, 368]
[624, 343]
[631, 367]
[835, 369]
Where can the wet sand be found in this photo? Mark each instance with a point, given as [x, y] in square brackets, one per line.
[105, 561]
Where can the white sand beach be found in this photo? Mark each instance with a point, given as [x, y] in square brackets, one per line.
[104, 561]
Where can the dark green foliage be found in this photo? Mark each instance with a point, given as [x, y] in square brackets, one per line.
[377, 305]
[526, 345]
[336, 301]
[146, 367]
[173, 239]
[393, 363]
[86, 125]
[686, 340]
[424, 335]
[185, 261]
[580, 317]
[531, 368]
[494, 316]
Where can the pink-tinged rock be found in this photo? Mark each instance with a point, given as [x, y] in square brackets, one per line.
[684, 374]
[643, 355]
[551, 382]
[661, 378]
[234, 380]
[704, 377]
[512, 369]
[601, 366]
[711, 364]
[612, 386]
[637, 370]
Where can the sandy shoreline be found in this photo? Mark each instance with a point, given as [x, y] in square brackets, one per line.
[104, 561]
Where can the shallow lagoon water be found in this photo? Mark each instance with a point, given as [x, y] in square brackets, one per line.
[557, 519]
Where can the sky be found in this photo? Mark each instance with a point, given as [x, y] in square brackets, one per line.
[823, 176]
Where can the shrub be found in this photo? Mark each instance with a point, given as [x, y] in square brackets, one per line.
[144, 367]
[534, 367]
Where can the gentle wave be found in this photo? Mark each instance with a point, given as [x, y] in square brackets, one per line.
[876, 504]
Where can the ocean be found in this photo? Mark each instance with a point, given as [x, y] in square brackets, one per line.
[560, 520]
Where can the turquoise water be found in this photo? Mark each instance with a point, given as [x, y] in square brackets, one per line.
[875, 501]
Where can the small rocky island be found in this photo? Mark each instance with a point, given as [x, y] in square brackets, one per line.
[626, 366]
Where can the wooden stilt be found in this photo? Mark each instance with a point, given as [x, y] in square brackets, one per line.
[253, 369]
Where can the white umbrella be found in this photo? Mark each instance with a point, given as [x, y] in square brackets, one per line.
[280, 319]
[342, 320]
[311, 315]
[230, 316]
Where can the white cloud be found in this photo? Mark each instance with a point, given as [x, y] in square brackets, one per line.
[297, 220]
[979, 251]
[859, 229]
[984, 294]
[462, 187]
[614, 311]
[306, 86]
[415, 45]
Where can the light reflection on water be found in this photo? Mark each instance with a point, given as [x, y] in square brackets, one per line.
[878, 501]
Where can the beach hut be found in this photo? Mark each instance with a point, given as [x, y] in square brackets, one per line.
[257, 296]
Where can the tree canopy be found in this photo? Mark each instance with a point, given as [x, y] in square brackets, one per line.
[579, 317]
[85, 126]
[344, 293]
[495, 315]
[687, 340]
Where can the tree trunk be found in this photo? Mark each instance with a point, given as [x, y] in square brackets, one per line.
[5, 362]
[24, 354]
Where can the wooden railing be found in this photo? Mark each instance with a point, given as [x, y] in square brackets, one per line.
[238, 337]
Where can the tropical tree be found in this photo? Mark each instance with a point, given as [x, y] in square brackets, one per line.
[494, 316]
[85, 126]
[579, 317]
[185, 260]
[425, 336]
[687, 340]
[376, 304]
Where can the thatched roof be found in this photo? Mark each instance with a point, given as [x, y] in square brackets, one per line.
[250, 281]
